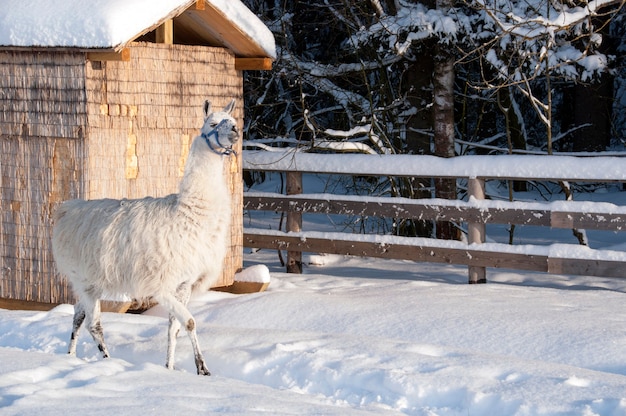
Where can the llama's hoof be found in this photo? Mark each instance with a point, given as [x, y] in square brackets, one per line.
[203, 371]
[201, 366]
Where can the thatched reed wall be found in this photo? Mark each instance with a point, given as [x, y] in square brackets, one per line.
[74, 128]
[42, 123]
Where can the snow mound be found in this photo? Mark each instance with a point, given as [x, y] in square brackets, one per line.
[254, 274]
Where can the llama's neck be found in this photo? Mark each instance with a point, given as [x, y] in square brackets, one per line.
[203, 181]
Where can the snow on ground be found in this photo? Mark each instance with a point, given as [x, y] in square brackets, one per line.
[350, 336]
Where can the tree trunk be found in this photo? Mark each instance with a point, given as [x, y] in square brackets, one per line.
[592, 103]
[443, 125]
[416, 86]
[589, 104]
[416, 82]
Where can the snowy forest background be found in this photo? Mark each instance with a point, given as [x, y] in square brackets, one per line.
[367, 67]
[441, 77]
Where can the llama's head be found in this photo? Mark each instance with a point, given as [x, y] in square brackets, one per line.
[220, 128]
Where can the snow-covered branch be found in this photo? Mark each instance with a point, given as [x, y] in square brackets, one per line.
[522, 19]
[412, 23]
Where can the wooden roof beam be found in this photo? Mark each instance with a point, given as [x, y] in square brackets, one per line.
[253, 64]
[122, 55]
[165, 32]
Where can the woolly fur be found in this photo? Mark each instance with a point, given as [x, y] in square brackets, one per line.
[151, 247]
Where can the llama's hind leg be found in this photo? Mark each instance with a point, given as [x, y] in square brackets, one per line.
[79, 318]
[178, 309]
[92, 310]
[183, 293]
[172, 334]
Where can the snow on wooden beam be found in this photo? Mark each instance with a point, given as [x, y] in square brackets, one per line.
[253, 64]
[522, 167]
[402, 248]
[497, 255]
[497, 212]
[122, 55]
[232, 34]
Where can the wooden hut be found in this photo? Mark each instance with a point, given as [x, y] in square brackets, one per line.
[101, 99]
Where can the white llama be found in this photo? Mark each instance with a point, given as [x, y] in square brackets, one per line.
[152, 247]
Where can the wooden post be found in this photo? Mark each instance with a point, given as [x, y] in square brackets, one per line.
[294, 222]
[165, 32]
[476, 231]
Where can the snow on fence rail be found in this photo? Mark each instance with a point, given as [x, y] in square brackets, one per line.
[478, 255]
[522, 167]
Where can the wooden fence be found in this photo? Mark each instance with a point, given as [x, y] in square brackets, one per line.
[476, 211]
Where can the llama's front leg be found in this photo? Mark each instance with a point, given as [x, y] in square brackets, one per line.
[183, 293]
[181, 313]
[95, 327]
[79, 318]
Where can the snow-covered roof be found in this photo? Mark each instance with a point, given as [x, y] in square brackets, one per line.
[112, 24]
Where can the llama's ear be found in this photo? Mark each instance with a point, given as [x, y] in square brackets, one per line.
[207, 108]
[229, 108]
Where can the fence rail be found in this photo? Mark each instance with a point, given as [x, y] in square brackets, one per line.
[570, 214]
[476, 212]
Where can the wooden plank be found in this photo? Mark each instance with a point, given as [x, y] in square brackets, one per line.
[417, 209]
[425, 253]
[242, 288]
[253, 64]
[122, 55]
[561, 220]
[26, 305]
[165, 32]
[587, 267]
[588, 220]
[431, 210]
[435, 254]
[423, 209]
[115, 306]
[209, 23]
